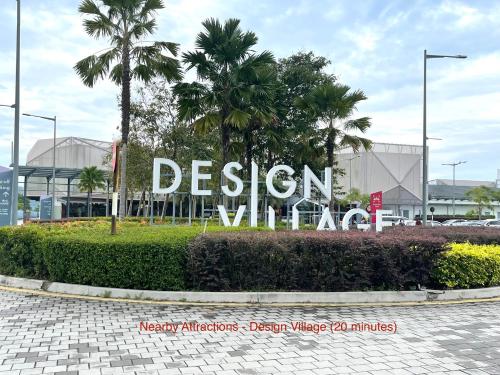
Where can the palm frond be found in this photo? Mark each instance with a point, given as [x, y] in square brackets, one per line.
[362, 124]
[207, 122]
[93, 67]
[237, 118]
[151, 6]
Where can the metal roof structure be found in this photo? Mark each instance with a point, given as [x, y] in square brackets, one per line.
[68, 173]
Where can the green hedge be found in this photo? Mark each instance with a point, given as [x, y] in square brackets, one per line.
[176, 258]
[21, 252]
[139, 257]
[469, 266]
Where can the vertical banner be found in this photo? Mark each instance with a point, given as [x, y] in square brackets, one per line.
[45, 207]
[375, 204]
[5, 197]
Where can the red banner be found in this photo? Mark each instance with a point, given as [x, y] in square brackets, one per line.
[375, 204]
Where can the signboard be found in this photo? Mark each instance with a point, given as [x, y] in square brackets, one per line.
[375, 204]
[46, 207]
[309, 181]
[5, 197]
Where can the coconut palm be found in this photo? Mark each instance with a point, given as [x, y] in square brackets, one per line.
[91, 179]
[225, 65]
[125, 23]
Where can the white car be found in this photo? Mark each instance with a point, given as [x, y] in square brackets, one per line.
[394, 221]
[453, 222]
[493, 223]
[434, 223]
[472, 223]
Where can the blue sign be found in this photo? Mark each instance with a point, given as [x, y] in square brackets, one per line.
[5, 197]
[45, 207]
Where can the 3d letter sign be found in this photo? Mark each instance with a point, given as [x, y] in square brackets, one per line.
[229, 172]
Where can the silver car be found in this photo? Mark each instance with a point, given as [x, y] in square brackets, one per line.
[493, 223]
[453, 222]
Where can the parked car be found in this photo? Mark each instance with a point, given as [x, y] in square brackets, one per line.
[494, 223]
[389, 221]
[434, 223]
[472, 223]
[453, 222]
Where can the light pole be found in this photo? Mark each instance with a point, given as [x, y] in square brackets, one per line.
[54, 120]
[453, 196]
[424, 161]
[15, 161]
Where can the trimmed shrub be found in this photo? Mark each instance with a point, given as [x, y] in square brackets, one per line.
[473, 235]
[469, 266]
[313, 261]
[138, 260]
[20, 252]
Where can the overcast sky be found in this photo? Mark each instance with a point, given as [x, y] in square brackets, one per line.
[376, 46]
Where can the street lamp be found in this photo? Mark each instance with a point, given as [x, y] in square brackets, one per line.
[454, 165]
[8, 105]
[54, 120]
[425, 166]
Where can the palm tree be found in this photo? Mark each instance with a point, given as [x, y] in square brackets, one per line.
[333, 105]
[91, 179]
[125, 23]
[225, 65]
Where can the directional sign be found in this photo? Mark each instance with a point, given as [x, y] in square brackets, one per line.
[5, 197]
[46, 207]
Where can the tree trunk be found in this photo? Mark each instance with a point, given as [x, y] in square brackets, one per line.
[88, 203]
[125, 107]
[249, 152]
[330, 146]
[141, 202]
[131, 203]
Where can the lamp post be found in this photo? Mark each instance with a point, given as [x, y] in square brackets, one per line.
[453, 196]
[15, 159]
[54, 120]
[425, 166]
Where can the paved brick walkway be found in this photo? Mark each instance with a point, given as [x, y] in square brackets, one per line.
[41, 335]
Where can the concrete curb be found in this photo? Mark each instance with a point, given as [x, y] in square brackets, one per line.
[255, 297]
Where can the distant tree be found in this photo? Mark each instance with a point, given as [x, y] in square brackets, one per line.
[293, 138]
[355, 195]
[482, 196]
[91, 179]
[125, 24]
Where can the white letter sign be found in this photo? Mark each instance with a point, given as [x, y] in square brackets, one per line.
[196, 176]
[157, 163]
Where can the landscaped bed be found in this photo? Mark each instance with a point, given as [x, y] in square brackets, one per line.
[232, 259]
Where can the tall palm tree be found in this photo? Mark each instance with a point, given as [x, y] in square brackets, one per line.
[225, 65]
[334, 105]
[91, 179]
[125, 23]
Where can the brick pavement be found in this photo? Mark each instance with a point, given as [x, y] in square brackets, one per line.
[52, 335]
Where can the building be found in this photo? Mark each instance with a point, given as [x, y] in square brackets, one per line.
[442, 192]
[72, 154]
[394, 169]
